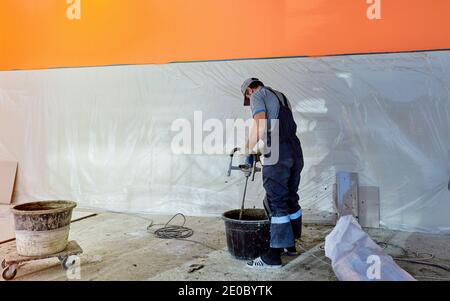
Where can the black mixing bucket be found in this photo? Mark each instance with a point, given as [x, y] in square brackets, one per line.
[250, 237]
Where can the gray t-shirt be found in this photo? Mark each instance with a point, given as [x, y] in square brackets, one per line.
[265, 101]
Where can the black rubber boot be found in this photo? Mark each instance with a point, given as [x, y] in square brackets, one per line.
[272, 257]
[291, 251]
[270, 260]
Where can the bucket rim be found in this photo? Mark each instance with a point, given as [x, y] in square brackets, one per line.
[66, 206]
[261, 221]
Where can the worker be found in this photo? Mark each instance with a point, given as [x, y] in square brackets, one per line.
[282, 160]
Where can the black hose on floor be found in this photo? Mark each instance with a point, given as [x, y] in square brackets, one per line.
[415, 260]
[168, 231]
[172, 231]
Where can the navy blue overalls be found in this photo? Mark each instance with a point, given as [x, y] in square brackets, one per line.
[281, 180]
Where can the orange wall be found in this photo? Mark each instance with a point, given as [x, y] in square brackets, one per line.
[37, 33]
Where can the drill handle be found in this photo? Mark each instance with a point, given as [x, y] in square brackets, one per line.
[256, 159]
[231, 167]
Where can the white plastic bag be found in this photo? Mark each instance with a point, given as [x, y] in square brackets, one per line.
[356, 257]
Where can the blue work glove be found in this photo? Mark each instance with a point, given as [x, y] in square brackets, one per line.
[249, 160]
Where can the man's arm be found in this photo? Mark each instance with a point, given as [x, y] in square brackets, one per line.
[257, 130]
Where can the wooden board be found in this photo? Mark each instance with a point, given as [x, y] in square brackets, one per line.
[6, 224]
[12, 257]
[347, 184]
[8, 170]
[369, 206]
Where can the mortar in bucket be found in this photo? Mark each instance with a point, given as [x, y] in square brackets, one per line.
[42, 228]
[248, 237]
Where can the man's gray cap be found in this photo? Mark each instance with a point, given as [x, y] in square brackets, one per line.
[244, 87]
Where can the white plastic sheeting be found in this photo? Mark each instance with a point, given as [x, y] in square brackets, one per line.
[102, 135]
[356, 257]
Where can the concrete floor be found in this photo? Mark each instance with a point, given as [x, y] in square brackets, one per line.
[119, 247]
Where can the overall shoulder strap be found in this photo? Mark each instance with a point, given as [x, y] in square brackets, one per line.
[282, 99]
[286, 101]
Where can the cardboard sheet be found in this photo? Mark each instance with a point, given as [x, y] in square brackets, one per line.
[8, 172]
